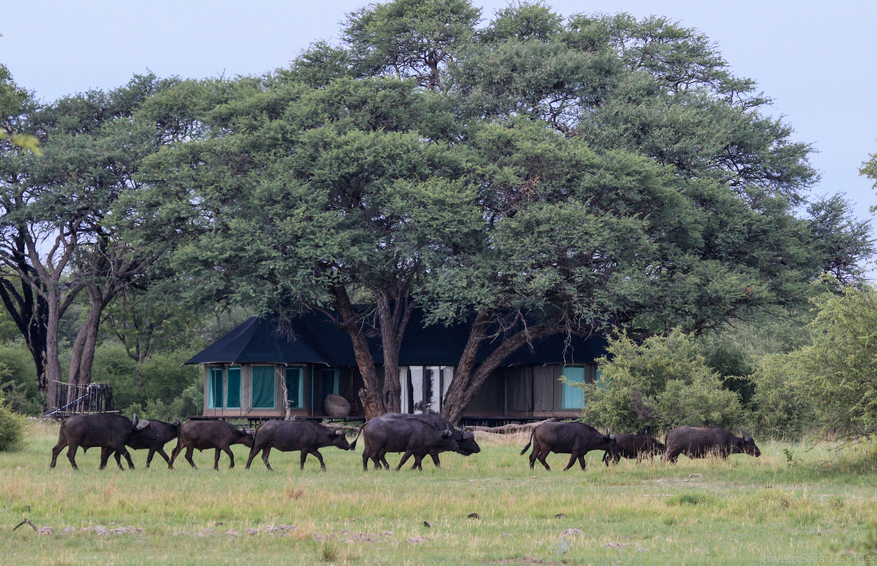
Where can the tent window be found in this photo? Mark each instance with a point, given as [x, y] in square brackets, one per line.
[294, 387]
[214, 399]
[233, 393]
[572, 397]
[331, 382]
[263, 387]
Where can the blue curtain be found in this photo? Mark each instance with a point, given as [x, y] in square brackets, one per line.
[233, 395]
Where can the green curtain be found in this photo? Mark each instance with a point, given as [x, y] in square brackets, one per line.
[233, 395]
[293, 387]
[263, 387]
[215, 397]
[572, 397]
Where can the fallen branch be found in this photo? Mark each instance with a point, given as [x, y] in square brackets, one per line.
[507, 429]
[25, 522]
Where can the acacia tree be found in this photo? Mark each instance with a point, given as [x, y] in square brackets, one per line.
[341, 196]
[61, 207]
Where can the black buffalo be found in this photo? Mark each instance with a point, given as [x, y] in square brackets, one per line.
[575, 439]
[634, 447]
[165, 431]
[466, 444]
[414, 437]
[700, 442]
[203, 435]
[109, 431]
[298, 434]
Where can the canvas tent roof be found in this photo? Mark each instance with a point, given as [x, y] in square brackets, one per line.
[313, 338]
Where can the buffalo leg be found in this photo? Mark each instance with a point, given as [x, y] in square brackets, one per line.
[253, 451]
[62, 442]
[404, 459]
[542, 458]
[118, 456]
[161, 453]
[71, 455]
[189, 451]
[216, 453]
[582, 461]
[365, 458]
[436, 461]
[317, 454]
[127, 456]
[105, 452]
[228, 451]
[174, 453]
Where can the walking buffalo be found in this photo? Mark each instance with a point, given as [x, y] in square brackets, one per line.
[109, 431]
[700, 442]
[414, 437]
[575, 439]
[204, 435]
[634, 447]
[298, 434]
[165, 433]
[465, 440]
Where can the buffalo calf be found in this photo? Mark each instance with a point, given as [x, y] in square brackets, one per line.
[575, 439]
[634, 447]
[288, 436]
[700, 442]
[203, 435]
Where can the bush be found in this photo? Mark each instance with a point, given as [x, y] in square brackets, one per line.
[659, 384]
[18, 379]
[781, 407]
[11, 428]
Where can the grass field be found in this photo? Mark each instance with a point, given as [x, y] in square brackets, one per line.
[795, 504]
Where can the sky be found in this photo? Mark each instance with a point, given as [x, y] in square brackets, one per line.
[815, 59]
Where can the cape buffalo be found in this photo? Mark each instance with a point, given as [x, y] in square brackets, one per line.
[465, 440]
[288, 436]
[634, 447]
[414, 437]
[575, 439]
[203, 435]
[700, 442]
[109, 431]
[165, 431]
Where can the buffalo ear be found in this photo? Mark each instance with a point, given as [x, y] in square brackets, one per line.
[468, 436]
[338, 432]
[142, 424]
[613, 437]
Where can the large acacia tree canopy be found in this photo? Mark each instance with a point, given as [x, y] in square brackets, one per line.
[604, 167]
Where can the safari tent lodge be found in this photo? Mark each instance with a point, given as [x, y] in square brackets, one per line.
[258, 371]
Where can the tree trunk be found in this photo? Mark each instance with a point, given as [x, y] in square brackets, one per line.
[53, 363]
[352, 321]
[468, 380]
[82, 355]
[393, 319]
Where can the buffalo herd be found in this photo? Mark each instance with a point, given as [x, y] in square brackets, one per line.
[414, 436]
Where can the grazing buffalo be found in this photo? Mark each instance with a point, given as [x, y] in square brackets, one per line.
[298, 434]
[203, 435]
[700, 442]
[634, 447]
[165, 431]
[466, 444]
[575, 439]
[414, 437]
[109, 431]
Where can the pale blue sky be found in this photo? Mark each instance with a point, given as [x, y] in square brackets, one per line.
[814, 58]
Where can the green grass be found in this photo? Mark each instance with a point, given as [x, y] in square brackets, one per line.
[810, 506]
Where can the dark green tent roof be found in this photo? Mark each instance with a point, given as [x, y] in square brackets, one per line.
[314, 339]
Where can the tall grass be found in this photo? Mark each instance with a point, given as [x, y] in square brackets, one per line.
[742, 510]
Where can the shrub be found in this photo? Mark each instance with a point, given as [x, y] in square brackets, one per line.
[662, 383]
[11, 428]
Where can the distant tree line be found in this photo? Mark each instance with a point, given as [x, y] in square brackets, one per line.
[537, 175]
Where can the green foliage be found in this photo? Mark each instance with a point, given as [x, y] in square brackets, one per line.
[661, 383]
[869, 169]
[839, 370]
[12, 426]
[781, 407]
[17, 379]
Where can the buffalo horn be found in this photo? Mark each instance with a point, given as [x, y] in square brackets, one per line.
[447, 432]
[142, 424]
[338, 431]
